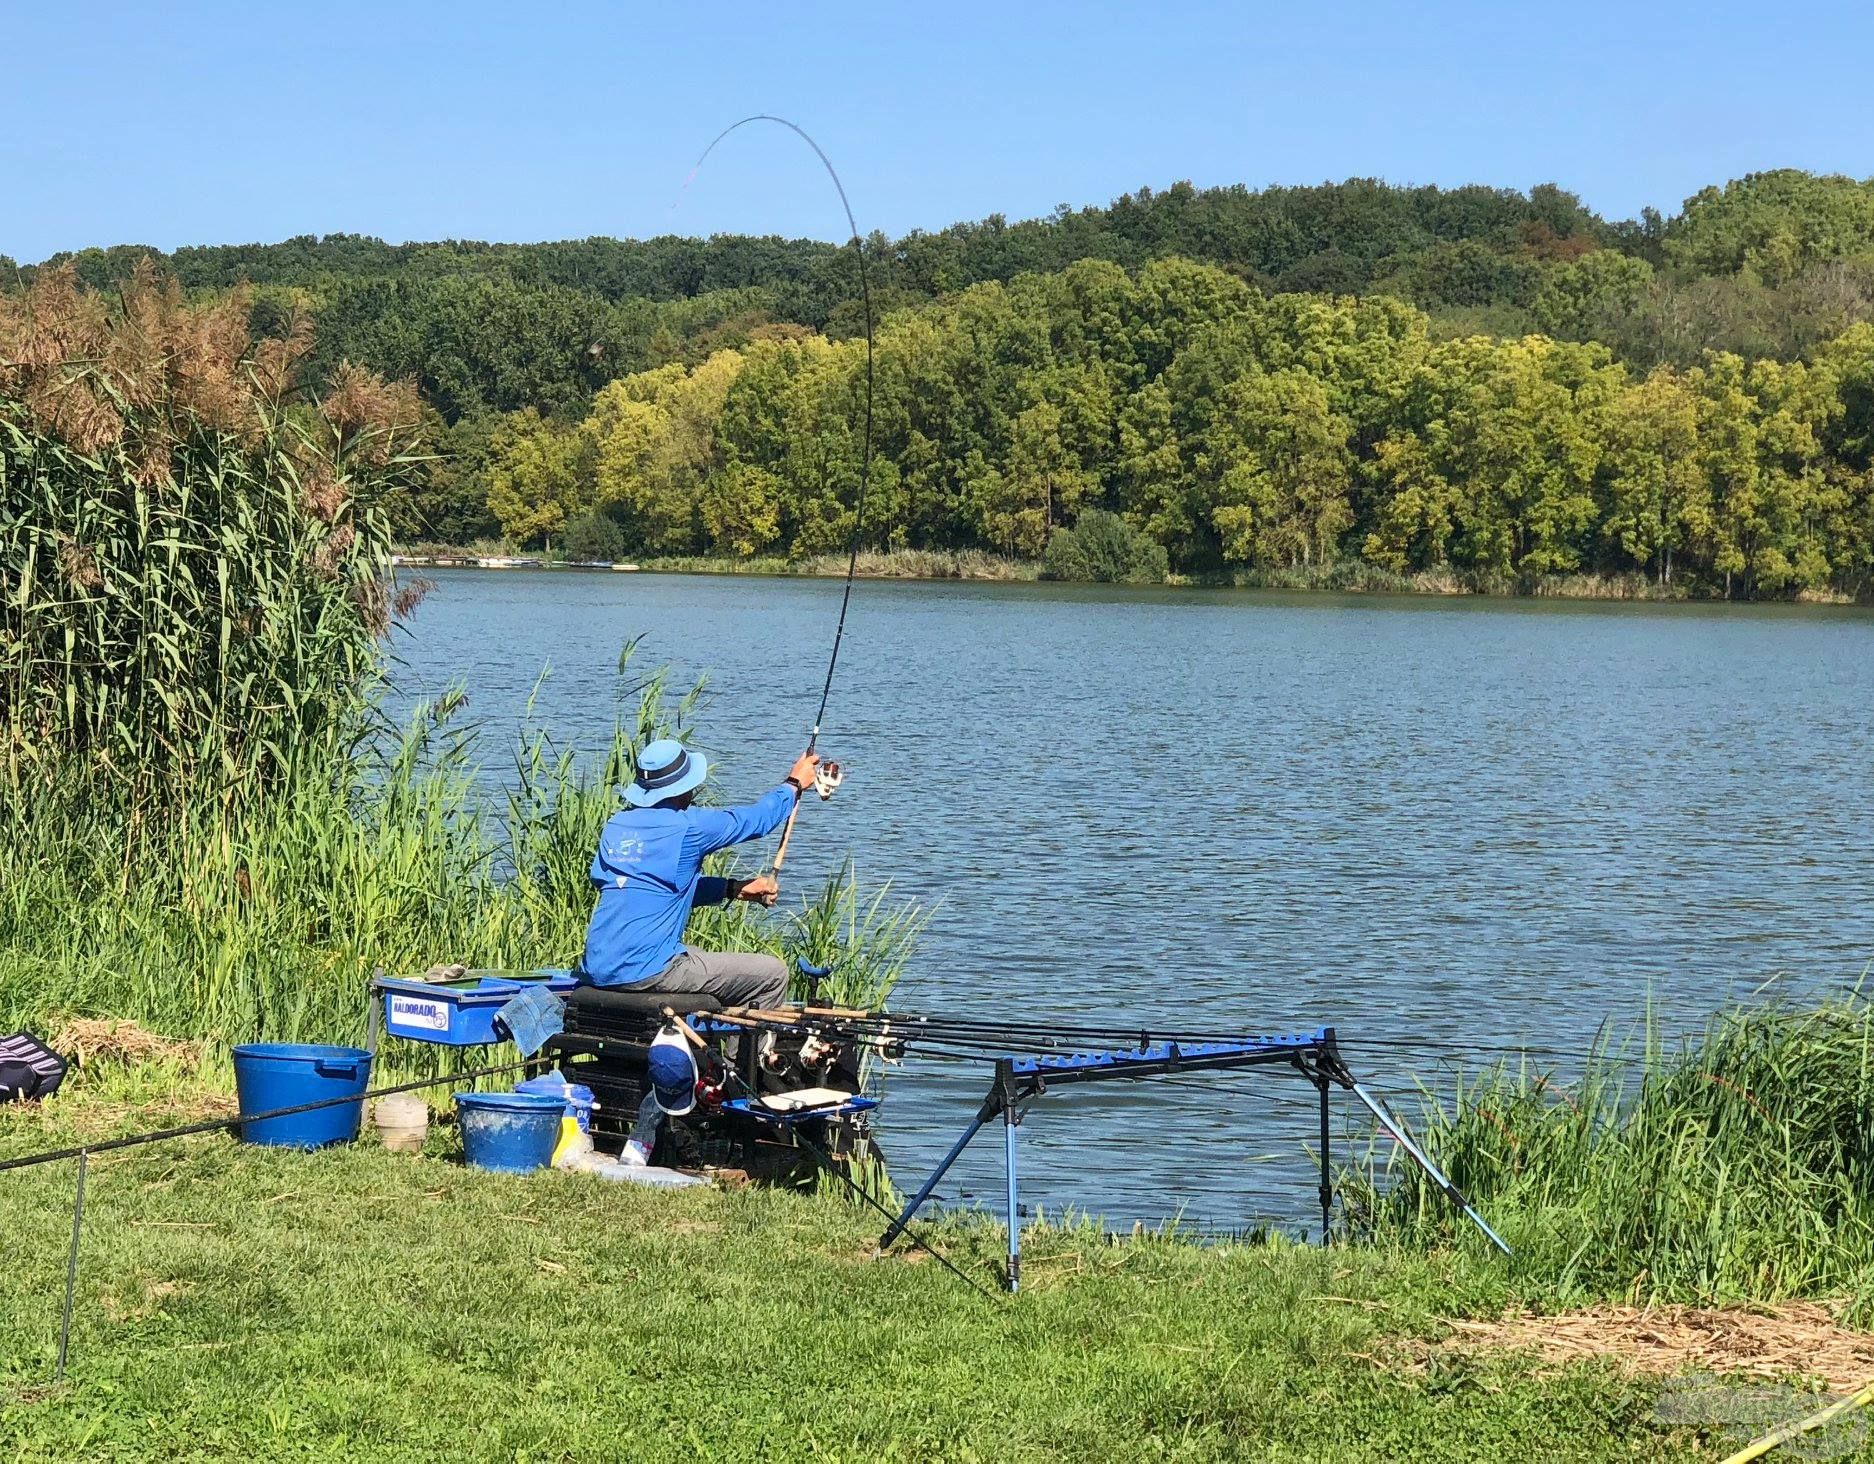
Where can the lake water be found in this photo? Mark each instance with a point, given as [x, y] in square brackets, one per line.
[1423, 821]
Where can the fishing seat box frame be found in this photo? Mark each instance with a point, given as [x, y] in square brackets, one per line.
[610, 1034]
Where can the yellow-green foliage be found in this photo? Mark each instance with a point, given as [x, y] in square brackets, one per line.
[1241, 432]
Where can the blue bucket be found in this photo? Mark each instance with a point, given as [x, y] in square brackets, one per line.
[511, 1133]
[269, 1075]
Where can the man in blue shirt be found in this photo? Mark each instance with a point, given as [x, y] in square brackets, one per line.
[648, 872]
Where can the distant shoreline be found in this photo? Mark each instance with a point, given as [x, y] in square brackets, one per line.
[905, 564]
[979, 567]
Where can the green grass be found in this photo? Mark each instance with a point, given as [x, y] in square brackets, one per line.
[243, 1303]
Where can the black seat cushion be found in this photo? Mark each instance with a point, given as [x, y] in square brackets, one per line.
[603, 1002]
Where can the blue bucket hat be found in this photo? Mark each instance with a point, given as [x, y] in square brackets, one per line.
[666, 769]
[672, 1070]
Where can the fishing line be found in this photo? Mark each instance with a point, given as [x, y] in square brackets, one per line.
[865, 453]
[864, 458]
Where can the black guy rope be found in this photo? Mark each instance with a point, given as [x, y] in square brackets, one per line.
[83, 1152]
[212, 1125]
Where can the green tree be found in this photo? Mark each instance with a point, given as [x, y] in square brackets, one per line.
[1768, 225]
[1581, 300]
[741, 511]
[1659, 497]
[1278, 456]
[655, 445]
[539, 477]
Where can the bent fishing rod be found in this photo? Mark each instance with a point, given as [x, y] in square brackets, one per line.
[830, 777]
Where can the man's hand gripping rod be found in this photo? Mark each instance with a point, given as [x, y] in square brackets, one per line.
[826, 777]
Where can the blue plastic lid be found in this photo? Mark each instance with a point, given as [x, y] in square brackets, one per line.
[513, 1102]
[671, 1068]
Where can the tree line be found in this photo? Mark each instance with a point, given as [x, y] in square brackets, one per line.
[1233, 428]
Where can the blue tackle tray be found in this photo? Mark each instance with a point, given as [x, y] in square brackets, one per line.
[458, 1013]
[858, 1103]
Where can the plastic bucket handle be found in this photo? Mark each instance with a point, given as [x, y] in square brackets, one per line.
[336, 1067]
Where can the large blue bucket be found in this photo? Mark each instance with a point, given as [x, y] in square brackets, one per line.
[511, 1133]
[269, 1075]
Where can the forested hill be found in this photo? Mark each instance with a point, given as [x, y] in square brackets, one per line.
[1181, 358]
[1469, 245]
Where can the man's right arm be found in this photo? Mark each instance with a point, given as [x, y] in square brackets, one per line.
[718, 828]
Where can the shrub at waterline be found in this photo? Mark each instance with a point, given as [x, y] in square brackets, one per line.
[194, 553]
[1102, 548]
[593, 538]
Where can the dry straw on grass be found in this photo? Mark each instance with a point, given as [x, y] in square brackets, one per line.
[90, 1041]
[1789, 1340]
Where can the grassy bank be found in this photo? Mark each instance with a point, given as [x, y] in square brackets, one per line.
[251, 1304]
[1737, 1166]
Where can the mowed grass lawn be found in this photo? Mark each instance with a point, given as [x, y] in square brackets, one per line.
[247, 1303]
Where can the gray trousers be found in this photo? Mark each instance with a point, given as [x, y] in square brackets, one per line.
[734, 978]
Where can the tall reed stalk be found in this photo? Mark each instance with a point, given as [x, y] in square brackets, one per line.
[1739, 1164]
[204, 825]
[194, 547]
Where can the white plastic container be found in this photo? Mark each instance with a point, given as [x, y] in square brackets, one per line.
[402, 1122]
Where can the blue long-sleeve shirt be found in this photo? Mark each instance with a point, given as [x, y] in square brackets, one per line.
[649, 874]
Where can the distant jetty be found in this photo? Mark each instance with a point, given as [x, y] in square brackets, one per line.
[503, 561]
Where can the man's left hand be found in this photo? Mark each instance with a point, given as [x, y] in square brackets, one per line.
[761, 890]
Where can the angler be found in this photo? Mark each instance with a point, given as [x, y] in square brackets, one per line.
[648, 872]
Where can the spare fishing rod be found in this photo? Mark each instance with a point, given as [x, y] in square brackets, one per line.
[958, 1030]
[1084, 1062]
[829, 778]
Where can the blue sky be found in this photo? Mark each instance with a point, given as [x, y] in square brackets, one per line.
[219, 123]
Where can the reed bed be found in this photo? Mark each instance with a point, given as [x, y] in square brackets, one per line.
[205, 825]
[194, 544]
[1739, 1164]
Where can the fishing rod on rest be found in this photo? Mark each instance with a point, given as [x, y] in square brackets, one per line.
[830, 778]
[1332, 1068]
[951, 1028]
[916, 1028]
